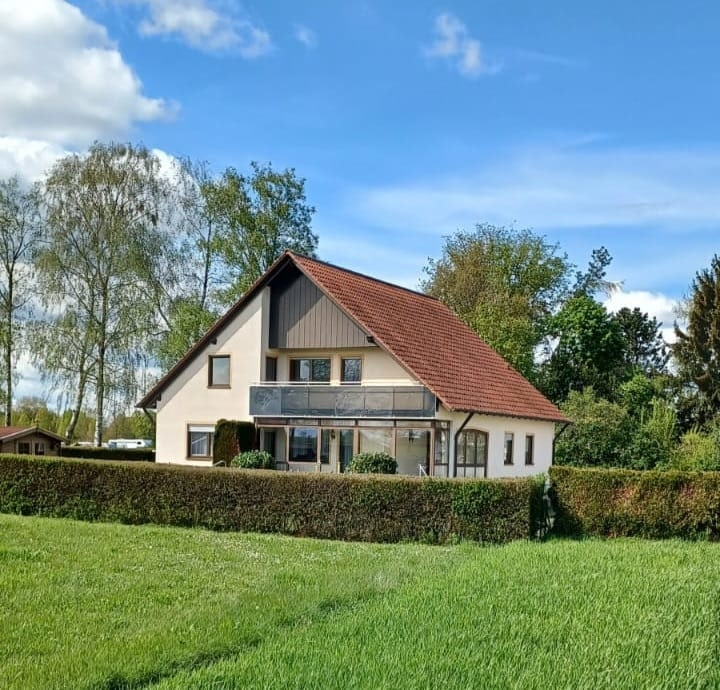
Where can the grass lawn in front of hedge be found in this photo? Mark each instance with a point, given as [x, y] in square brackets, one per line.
[111, 606]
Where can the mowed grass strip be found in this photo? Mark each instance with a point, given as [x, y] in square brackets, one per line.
[109, 606]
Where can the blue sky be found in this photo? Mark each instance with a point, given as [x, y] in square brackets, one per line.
[592, 123]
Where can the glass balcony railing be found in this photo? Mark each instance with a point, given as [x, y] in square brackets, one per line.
[303, 400]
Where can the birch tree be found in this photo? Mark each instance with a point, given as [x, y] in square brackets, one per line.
[103, 269]
[20, 229]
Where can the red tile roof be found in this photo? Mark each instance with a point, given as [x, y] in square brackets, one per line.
[11, 430]
[420, 332]
[431, 343]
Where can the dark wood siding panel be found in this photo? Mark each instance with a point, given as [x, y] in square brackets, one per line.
[302, 316]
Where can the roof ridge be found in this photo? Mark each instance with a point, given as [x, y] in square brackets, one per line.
[297, 255]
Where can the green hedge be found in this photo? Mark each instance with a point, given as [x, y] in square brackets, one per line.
[652, 504]
[123, 454]
[349, 507]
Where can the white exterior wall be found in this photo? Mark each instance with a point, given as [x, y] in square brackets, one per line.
[496, 427]
[189, 400]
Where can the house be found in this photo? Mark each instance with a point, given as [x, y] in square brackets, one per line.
[328, 362]
[29, 441]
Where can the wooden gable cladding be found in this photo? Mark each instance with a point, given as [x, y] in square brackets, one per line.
[303, 316]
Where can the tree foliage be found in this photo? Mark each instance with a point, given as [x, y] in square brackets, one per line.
[589, 351]
[259, 216]
[233, 227]
[503, 283]
[697, 348]
[20, 233]
[102, 269]
[645, 348]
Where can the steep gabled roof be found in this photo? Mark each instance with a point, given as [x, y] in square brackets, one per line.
[9, 433]
[418, 331]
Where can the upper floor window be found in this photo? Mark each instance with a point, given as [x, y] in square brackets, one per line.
[529, 449]
[219, 371]
[509, 443]
[310, 370]
[351, 370]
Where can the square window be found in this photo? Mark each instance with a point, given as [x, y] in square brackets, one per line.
[303, 444]
[23, 448]
[351, 370]
[200, 441]
[219, 371]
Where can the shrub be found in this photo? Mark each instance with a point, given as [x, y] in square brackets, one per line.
[232, 438]
[373, 463]
[652, 504]
[599, 433]
[121, 454]
[351, 507]
[254, 460]
[697, 450]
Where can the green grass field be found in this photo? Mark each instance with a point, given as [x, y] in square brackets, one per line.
[110, 606]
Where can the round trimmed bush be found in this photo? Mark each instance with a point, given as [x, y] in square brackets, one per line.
[373, 463]
[254, 460]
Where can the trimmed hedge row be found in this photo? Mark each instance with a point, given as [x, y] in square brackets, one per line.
[651, 504]
[349, 507]
[123, 454]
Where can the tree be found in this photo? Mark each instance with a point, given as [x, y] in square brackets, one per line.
[598, 435]
[233, 227]
[697, 348]
[258, 217]
[645, 348]
[504, 284]
[589, 351]
[20, 231]
[103, 268]
[594, 279]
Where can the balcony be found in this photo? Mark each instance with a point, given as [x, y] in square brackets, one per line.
[317, 400]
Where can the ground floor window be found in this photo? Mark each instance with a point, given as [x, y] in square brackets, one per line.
[418, 446]
[375, 441]
[303, 444]
[23, 448]
[529, 449]
[200, 440]
[509, 448]
[472, 452]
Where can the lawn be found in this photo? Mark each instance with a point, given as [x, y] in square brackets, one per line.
[109, 606]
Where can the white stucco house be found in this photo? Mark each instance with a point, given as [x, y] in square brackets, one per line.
[328, 362]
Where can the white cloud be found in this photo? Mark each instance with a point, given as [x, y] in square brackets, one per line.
[204, 24]
[63, 83]
[654, 304]
[559, 188]
[306, 36]
[454, 43]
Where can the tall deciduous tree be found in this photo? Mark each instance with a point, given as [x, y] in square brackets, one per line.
[259, 216]
[503, 283]
[589, 351]
[106, 245]
[697, 348]
[20, 231]
[234, 227]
